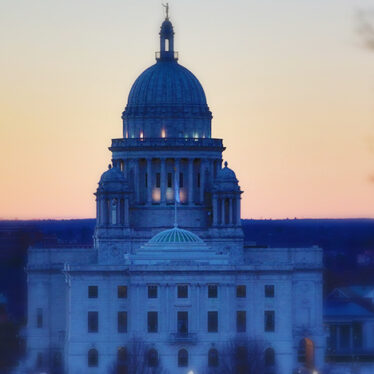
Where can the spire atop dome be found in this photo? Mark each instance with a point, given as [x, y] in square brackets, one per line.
[166, 39]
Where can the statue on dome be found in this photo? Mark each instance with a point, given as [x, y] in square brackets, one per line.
[166, 6]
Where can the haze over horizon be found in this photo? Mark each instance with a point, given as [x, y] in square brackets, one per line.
[290, 86]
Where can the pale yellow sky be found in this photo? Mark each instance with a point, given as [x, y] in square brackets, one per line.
[290, 85]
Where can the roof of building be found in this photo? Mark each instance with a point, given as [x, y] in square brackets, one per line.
[113, 174]
[226, 173]
[346, 308]
[166, 83]
[175, 235]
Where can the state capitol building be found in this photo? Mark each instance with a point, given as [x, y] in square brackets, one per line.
[170, 285]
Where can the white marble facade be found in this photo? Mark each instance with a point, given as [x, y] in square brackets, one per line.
[186, 283]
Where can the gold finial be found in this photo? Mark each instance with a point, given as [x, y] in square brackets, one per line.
[166, 6]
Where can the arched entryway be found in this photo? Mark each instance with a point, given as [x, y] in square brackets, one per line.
[305, 353]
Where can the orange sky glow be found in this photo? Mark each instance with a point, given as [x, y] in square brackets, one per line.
[290, 85]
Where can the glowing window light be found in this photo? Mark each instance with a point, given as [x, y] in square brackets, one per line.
[156, 195]
[141, 135]
[163, 133]
[127, 134]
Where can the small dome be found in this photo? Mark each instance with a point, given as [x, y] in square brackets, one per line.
[226, 180]
[226, 173]
[113, 174]
[175, 235]
[166, 29]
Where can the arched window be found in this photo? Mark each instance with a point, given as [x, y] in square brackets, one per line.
[269, 357]
[182, 358]
[121, 360]
[152, 358]
[213, 358]
[93, 358]
[121, 355]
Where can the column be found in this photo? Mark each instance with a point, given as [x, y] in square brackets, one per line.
[149, 180]
[218, 165]
[222, 211]
[190, 181]
[231, 218]
[126, 213]
[125, 165]
[238, 210]
[177, 172]
[163, 181]
[202, 181]
[136, 179]
[215, 211]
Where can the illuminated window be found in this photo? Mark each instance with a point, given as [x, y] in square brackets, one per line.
[141, 135]
[163, 133]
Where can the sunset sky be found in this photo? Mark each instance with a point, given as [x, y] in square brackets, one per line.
[290, 84]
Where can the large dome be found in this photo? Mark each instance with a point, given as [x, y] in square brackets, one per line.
[166, 83]
[166, 100]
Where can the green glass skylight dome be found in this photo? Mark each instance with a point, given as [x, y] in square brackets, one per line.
[175, 235]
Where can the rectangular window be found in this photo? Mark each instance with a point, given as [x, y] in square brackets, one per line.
[93, 321]
[241, 291]
[269, 320]
[183, 291]
[152, 321]
[93, 292]
[269, 290]
[241, 321]
[146, 180]
[212, 291]
[180, 180]
[39, 318]
[152, 292]
[122, 322]
[357, 334]
[158, 180]
[170, 179]
[345, 335]
[213, 321]
[122, 292]
[182, 322]
[198, 180]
